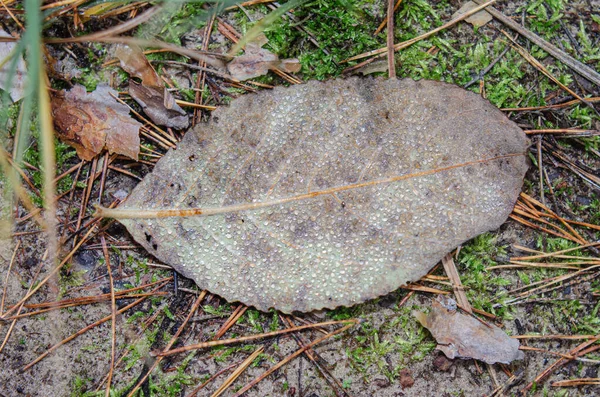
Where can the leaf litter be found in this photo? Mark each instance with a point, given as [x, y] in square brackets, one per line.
[152, 95]
[463, 336]
[92, 121]
[329, 193]
[257, 61]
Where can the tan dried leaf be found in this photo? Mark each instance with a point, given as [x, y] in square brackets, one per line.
[92, 121]
[462, 336]
[478, 19]
[158, 103]
[257, 61]
[330, 193]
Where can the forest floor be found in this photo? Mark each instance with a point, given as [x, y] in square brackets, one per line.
[553, 306]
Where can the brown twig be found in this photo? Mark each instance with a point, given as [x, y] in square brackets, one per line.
[291, 357]
[390, 40]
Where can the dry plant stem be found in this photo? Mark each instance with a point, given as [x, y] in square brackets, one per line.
[12, 261]
[164, 138]
[385, 20]
[290, 358]
[557, 280]
[390, 40]
[20, 306]
[114, 31]
[555, 216]
[233, 318]
[144, 214]
[571, 62]
[82, 331]
[559, 363]
[52, 273]
[553, 254]
[336, 385]
[576, 382]
[538, 65]
[412, 41]
[243, 366]
[17, 186]
[196, 106]
[201, 77]
[223, 342]
[87, 302]
[195, 307]
[540, 168]
[459, 290]
[15, 20]
[213, 377]
[549, 107]
[574, 358]
[113, 307]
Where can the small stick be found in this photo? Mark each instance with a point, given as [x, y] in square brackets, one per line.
[390, 40]
[243, 366]
[222, 342]
[113, 314]
[289, 358]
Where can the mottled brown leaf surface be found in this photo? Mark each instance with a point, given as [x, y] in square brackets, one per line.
[331, 193]
[462, 336]
[92, 121]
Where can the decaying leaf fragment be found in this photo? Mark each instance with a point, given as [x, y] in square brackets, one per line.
[461, 336]
[151, 95]
[329, 193]
[478, 19]
[92, 121]
[257, 61]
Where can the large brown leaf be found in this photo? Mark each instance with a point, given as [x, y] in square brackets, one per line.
[91, 121]
[329, 194]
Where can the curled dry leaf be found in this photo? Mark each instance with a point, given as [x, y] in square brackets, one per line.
[329, 193]
[257, 61]
[91, 121]
[462, 336]
[151, 95]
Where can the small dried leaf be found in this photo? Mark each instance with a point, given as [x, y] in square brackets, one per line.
[16, 87]
[478, 19]
[462, 336]
[257, 61]
[134, 62]
[151, 95]
[331, 193]
[152, 100]
[91, 121]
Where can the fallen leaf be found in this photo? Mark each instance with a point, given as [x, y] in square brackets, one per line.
[463, 336]
[151, 95]
[16, 87]
[330, 193]
[478, 19]
[257, 61]
[91, 121]
[134, 62]
[152, 101]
